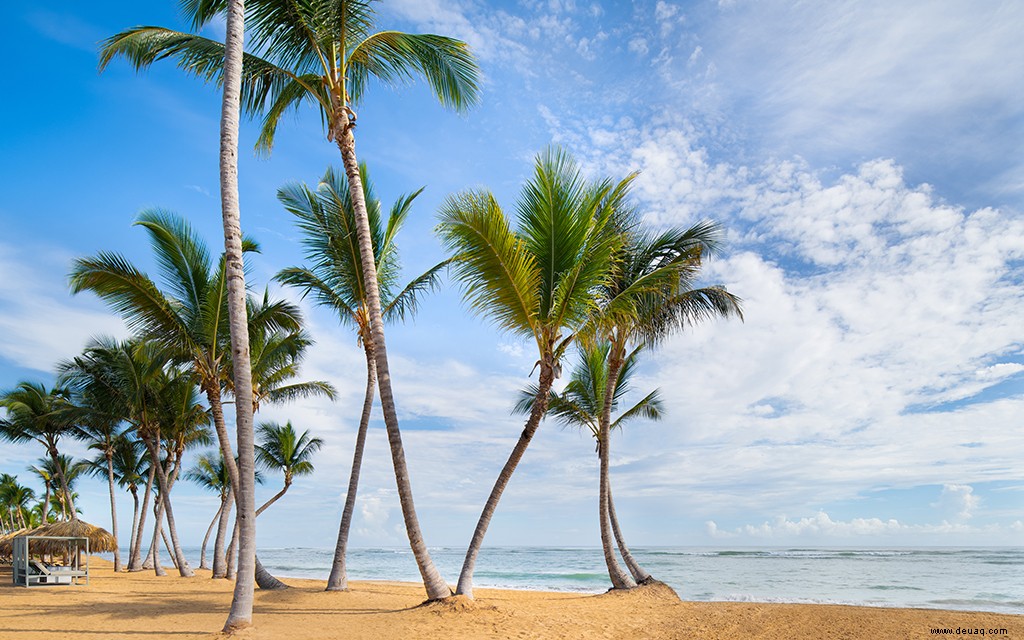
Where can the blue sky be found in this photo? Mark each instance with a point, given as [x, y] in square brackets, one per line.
[865, 156]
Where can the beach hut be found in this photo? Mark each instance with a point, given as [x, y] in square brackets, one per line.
[35, 560]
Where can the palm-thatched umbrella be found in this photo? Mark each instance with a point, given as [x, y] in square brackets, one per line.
[99, 538]
[7, 542]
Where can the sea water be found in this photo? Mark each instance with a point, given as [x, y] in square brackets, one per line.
[978, 579]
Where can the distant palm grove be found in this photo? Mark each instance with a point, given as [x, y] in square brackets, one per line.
[572, 268]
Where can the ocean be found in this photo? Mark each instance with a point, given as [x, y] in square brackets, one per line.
[975, 579]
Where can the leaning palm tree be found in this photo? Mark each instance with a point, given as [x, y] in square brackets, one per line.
[326, 217]
[324, 53]
[536, 281]
[44, 476]
[650, 297]
[282, 449]
[38, 414]
[580, 405]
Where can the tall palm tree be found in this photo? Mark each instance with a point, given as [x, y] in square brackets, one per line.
[326, 217]
[38, 414]
[580, 405]
[650, 297]
[325, 53]
[536, 281]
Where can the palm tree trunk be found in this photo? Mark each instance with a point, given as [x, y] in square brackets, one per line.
[435, 586]
[540, 406]
[240, 615]
[153, 557]
[113, 511]
[46, 501]
[274, 499]
[66, 502]
[206, 538]
[639, 574]
[232, 553]
[220, 564]
[338, 580]
[165, 503]
[168, 547]
[135, 523]
[620, 579]
[135, 560]
[266, 580]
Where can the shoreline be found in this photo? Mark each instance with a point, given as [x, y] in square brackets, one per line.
[140, 605]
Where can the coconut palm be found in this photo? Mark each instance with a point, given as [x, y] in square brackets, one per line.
[44, 475]
[580, 405]
[100, 415]
[210, 473]
[187, 319]
[38, 414]
[14, 502]
[130, 470]
[650, 297]
[324, 53]
[327, 219]
[536, 281]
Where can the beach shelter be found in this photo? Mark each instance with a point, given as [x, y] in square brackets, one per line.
[35, 560]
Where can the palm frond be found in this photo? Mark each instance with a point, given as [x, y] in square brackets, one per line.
[499, 275]
[446, 64]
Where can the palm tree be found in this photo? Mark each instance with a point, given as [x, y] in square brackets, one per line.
[210, 473]
[325, 53]
[44, 475]
[130, 469]
[282, 449]
[100, 414]
[650, 297]
[327, 218]
[537, 281]
[188, 319]
[40, 415]
[580, 405]
[14, 502]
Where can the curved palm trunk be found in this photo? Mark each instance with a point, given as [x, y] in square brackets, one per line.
[113, 511]
[135, 561]
[620, 579]
[540, 406]
[240, 615]
[639, 574]
[165, 503]
[206, 538]
[338, 580]
[167, 546]
[220, 565]
[265, 579]
[435, 585]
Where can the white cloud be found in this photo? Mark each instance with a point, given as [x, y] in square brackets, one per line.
[821, 527]
[960, 500]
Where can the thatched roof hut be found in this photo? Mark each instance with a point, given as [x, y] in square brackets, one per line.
[99, 538]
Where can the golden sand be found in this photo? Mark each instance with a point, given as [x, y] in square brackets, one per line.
[141, 606]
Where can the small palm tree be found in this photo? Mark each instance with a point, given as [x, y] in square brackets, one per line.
[130, 470]
[210, 473]
[38, 414]
[580, 405]
[327, 219]
[650, 296]
[282, 449]
[537, 281]
[325, 53]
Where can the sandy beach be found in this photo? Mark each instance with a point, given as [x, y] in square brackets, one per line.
[140, 605]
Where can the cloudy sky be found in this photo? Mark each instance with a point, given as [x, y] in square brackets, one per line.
[867, 158]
